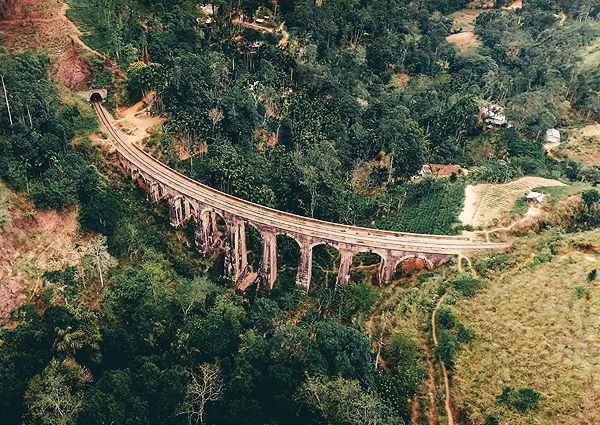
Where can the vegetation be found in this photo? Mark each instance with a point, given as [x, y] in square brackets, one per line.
[284, 126]
[142, 328]
[522, 325]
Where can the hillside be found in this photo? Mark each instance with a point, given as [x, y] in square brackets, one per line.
[535, 325]
[333, 110]
[34, 240]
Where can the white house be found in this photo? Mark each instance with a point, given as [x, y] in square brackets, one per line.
[536, 197]
[552, 135]
[493, 114]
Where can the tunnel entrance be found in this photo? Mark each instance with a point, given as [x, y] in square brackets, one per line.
[96, 97]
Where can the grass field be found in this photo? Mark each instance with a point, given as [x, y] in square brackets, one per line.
[583, 144]
[590, 55]
[536, 325]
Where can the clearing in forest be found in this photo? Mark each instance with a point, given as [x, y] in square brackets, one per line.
[487, 204]
[464, 40]
[583, 144]
[33, 241]
[463, 21]
[44, 25]
[535, 326]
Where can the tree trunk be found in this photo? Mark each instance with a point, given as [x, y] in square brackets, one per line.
[6, 98]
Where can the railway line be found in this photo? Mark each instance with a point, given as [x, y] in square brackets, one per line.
[287, 223]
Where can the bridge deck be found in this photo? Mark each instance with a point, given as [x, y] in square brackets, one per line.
[338, 234]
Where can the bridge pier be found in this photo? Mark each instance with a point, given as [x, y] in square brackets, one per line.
[267, 271]
[343, 277]
[205, 233]
[176, 211]
[236, 255]
[387, 268]
[154, 192]
[304, 274]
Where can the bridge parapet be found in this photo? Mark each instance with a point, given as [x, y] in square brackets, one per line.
[190, 200]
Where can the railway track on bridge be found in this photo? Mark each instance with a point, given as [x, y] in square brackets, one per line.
[305, 230]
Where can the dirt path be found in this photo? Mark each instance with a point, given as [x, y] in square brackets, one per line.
[447, 401]
[432, 413]
[285, 36]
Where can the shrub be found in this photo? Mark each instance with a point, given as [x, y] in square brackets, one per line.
[446, 347]
[463, 334]
[486, 265]
[592, 275]
[445, 318]
[467, 285]
[581, 292]
[521, 399]
[4, 218]
[491, 420]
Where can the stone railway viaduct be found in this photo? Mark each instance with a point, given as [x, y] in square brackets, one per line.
[191, 200]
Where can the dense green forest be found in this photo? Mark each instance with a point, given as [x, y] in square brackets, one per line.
[328, 103]
[153, 335]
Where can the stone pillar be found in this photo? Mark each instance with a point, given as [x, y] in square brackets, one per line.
[176, 211]
[187, 209]
[205, 233]
[236, 258]
[154, 192]
[343, 277]
[387, 268]
[267, 270]
[305, 267]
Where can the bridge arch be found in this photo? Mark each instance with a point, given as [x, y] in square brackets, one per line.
[411, 263]
[326, 262]
[366, 265]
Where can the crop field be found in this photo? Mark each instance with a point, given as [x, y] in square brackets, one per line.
[536, 325]
[436, 213]
[488, 204]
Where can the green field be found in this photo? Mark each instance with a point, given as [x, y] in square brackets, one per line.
[437, 213]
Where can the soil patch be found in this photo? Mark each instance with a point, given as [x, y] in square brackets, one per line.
[464, 40]
[135, 120]
[35, 241]
[488, 204]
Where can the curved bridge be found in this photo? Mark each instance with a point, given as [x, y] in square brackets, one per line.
[190, 200]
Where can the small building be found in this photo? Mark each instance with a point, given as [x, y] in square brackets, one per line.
[442, 170]
[493, 114]
[536, 197]
[552, 135]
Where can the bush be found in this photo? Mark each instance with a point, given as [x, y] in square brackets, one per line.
[582, 292]
[486, 265]
[445, 318]
[592, 275]
[521, 399]
[463, 334]
[4, 218]
[446, 348]
[491, 420]
[467, 285]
